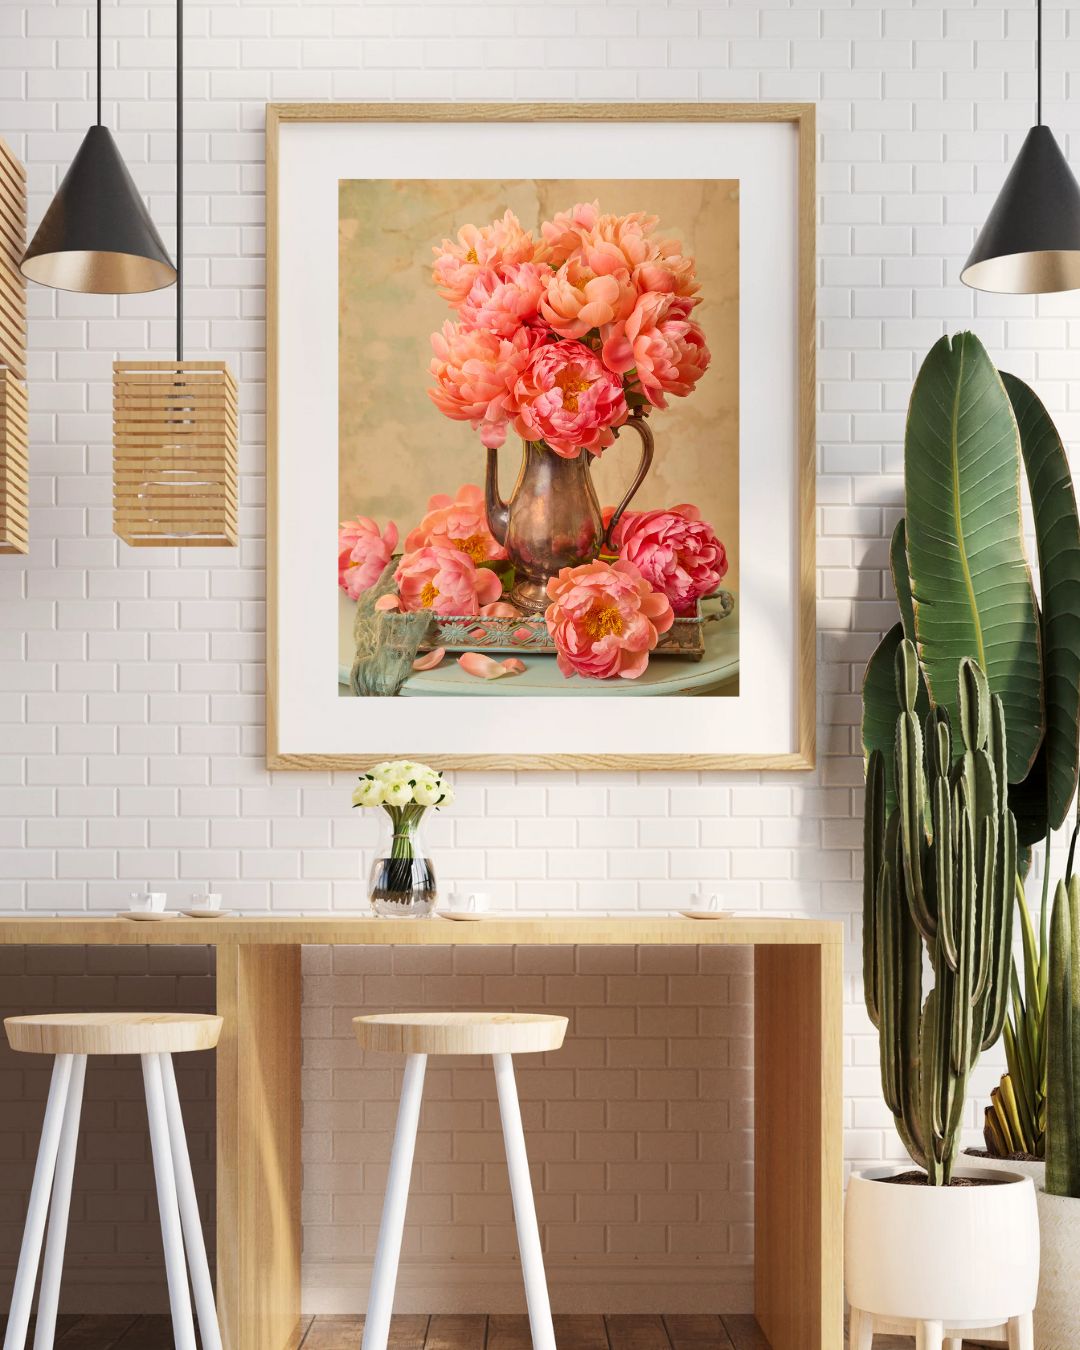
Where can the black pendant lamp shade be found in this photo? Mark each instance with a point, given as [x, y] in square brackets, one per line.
[1030, 243]
[97, 235]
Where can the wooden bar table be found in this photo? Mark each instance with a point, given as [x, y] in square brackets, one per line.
[798, 1184]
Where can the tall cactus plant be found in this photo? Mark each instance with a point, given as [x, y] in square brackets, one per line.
[940, 870]
[1063, 1044]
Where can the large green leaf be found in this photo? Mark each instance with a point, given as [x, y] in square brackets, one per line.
[1057, 532]
[881, 707]
[970, 582]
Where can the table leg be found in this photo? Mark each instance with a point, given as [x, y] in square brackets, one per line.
[798, 1168]
[258, 1146]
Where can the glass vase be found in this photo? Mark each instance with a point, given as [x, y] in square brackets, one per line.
[401, 884]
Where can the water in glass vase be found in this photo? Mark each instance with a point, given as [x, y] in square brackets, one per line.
[401, 883]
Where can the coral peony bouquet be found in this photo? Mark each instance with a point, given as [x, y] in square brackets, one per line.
[562, 336]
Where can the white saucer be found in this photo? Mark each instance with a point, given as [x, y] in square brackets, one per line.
[706, 913]
[145, 915]
[465, 915]
[206, 913]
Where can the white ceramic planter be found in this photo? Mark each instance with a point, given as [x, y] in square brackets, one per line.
[1057, 1310]
[941, 1260]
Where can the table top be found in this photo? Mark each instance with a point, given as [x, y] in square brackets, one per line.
[363, 930]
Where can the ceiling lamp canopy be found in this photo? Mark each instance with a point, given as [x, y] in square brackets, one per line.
[1030, 244]
[97, 236]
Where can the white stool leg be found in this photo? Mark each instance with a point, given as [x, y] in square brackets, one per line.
[22, 1295]
[517, 1164]
[392, 1226]
[52, 1268]
[860, 1330]
[189, 1212]
[171, 1233]
[1021, 1333]
[929, 1335]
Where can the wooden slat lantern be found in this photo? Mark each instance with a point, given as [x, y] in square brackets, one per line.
[14, 431]
[174, 453]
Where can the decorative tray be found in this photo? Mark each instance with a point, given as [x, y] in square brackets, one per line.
[528, 634]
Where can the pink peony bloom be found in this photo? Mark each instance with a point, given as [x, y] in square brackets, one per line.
[676, 552]
[501, 301]
[363, 554]
[446, 581]
[567, 399]
[605, 619]
[665, 350]
[563, 233]
[457, 522]
[475, 374]
[577, 299]
[457, 265]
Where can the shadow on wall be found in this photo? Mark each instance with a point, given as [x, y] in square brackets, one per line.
[113, 1260]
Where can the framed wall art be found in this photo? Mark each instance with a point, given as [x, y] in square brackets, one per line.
[540, 433]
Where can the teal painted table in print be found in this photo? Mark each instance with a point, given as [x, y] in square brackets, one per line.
[716, 673]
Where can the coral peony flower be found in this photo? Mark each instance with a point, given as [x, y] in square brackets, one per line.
[568, 400]
[444, 580]
[457, 522]
[457, 265]
[665, 350]
[576, 299]
[475, 374]
[615, 243]
[363, 553]
[501, 301]
[562, 234]
[605, 619]
[676, 552]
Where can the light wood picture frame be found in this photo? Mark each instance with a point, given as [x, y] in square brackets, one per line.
[310, 150]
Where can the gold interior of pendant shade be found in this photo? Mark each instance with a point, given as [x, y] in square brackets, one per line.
[1037, 273]
[174, 453]
[99, 273]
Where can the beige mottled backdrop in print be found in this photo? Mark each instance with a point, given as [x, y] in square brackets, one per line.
[396, 449]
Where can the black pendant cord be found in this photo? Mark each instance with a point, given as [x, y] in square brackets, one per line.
[1038, 63]
[99, 62]
[179, 180]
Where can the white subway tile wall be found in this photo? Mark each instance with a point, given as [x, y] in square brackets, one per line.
[131, 683]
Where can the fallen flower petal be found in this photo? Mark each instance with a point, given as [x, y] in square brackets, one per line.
[500, 609]
[430, 660]
[387, 602]
[484, 668]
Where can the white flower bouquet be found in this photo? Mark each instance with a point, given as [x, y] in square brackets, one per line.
[402, 879]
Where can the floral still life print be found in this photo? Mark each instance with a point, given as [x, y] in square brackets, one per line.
[581, 339]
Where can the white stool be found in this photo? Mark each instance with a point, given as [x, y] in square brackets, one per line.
[154, 1037]
[417, 1035]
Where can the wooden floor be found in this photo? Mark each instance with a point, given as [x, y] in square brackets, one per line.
[125, 1332]
[445, 1333]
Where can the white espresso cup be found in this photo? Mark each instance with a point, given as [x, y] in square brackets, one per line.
[141, 901]
[710, 903]
[477, 902]
[207, 900]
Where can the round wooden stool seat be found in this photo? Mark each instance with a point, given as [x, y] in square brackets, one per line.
[460, 1033]
[113, 1033]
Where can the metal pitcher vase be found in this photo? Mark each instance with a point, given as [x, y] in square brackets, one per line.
[553, 519]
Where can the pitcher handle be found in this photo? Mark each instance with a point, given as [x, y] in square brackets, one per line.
[638, 422]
